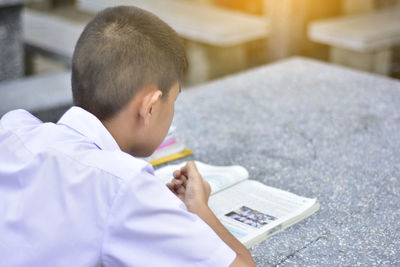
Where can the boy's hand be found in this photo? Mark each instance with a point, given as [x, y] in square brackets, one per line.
[194, 191]
[190, 187]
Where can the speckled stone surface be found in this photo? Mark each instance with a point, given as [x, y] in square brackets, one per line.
[11, 46]
[317, 130]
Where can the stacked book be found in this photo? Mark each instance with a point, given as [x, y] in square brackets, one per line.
[170, 149]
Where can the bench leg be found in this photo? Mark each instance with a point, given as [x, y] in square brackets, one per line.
[29, 65]
[208, 62]
[377, 61]
[198, 70]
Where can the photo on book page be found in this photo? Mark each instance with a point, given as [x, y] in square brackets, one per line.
[250, 217]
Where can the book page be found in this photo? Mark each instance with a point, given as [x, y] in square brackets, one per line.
[252, 211]
[219, 177]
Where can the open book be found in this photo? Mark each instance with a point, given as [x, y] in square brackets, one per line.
[250, 210]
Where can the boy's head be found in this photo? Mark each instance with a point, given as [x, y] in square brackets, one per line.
[126, 70]
[120, 51]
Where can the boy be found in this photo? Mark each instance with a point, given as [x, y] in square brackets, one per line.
[73, 193]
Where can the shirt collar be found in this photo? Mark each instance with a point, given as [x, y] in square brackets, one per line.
[90, 126]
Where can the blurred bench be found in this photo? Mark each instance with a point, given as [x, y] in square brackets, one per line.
[362, 41]
[50, 3]
[47, 96]
[216, 40]
[194, 21]
[52, 34]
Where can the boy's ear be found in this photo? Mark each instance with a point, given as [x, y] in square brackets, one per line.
[150, 98]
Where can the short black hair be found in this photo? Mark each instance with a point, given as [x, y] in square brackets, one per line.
[119, 52]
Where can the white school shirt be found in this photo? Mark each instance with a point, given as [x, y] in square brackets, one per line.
[70, 197]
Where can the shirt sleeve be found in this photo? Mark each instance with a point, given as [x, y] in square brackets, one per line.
[149, 226]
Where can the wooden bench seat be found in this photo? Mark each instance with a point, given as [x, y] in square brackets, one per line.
[198, 22]
[363, 41]
[52, 34]
[45, 95]
[215, 39]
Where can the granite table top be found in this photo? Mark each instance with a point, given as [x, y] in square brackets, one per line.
[317, 130]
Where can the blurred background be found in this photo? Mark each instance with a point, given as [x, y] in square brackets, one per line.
[221, 37]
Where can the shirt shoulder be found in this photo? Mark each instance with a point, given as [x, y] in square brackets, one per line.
[61, 140]
[54, 178]
[18, 119]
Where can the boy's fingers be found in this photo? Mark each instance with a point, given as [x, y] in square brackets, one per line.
[191, 166]
[183, 170]
[184, 179]
[177, 173]
[181, 178]
[180, 190]
[190, 170]
[170, 186]
[177, 182]
[174, 184]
